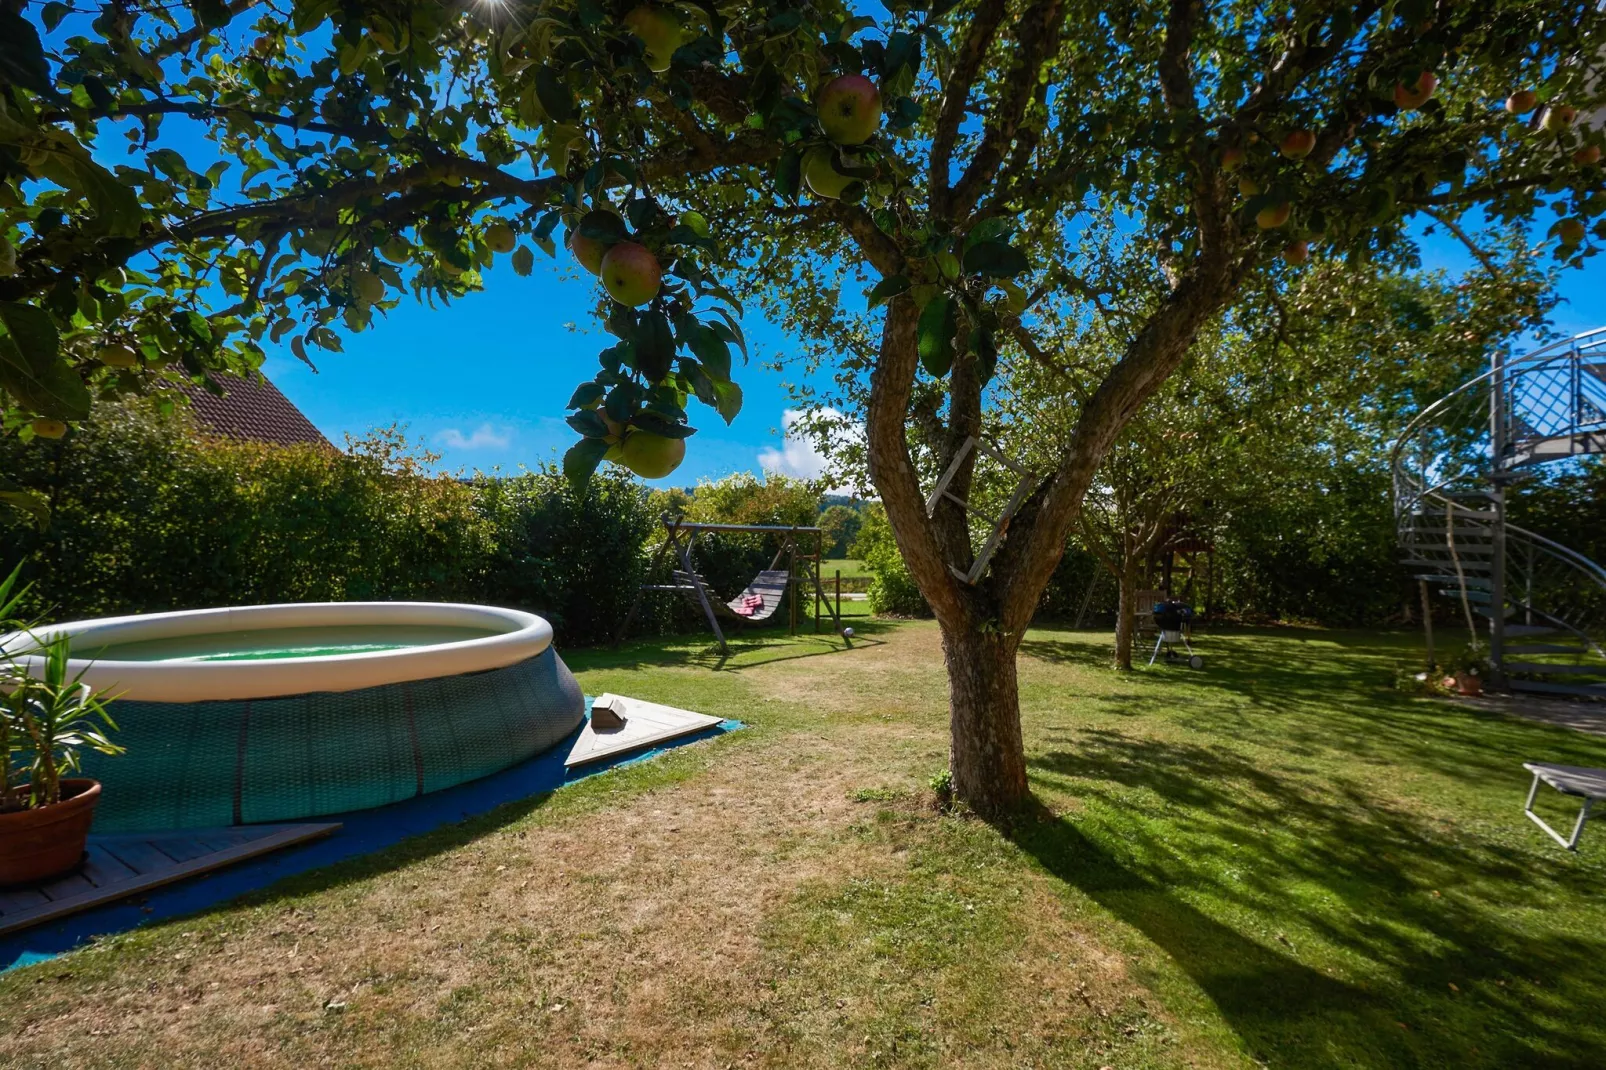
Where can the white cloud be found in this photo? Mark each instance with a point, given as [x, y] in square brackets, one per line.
[484, 437]
[799, 456]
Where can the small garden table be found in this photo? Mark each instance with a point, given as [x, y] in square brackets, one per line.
[1586, 784]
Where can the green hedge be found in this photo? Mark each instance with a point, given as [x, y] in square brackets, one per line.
[147, 517]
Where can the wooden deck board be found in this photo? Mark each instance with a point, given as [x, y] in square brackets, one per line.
[646, 723]
[124, 865]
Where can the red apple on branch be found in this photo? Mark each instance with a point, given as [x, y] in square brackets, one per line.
[1410, 97]
[1297, 144]
[850, 109]
[630, 273]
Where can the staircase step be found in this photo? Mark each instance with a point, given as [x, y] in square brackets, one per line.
[1477, 598]
[1544, 648]
[1454, 581]
[1475, 532]
[1544, 687]
[1546, 670]
[1471, 568]
[1441, 547]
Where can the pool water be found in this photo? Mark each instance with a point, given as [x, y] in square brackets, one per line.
[274, 643]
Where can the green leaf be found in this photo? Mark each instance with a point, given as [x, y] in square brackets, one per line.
[729, 400]
[53, 13]
[211, 13]
[31, 368]
[30, 502]
[581, 461]
[731, 331]
[588, 422]
[554, 95]
[788, 174]
[585, 396]
[986, 350]
[603, 226]
[938, 324]
[655, 346]
[887, 289]
[651, 421]
[22, 56]
[712, 351]
[622, 402]
[524, 260]
[995, 259]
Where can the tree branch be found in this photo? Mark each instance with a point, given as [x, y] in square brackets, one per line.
[1038, 35]
[984, 24]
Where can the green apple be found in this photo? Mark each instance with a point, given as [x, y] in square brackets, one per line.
[55, 429]
[1232, 158]
[1558, 117]
[1273, 215]
[589, 251]
[630, 273]
[500, 237]
[850, 109]
[367, 287]
[651, 456]
[1570, 231]
[823, 179]
[1249, 187]
[659, 30]
[117, 356]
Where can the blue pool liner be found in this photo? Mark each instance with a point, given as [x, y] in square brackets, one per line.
[364, 832]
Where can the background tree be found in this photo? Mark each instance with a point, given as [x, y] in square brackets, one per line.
[950, 151]
[841, 524]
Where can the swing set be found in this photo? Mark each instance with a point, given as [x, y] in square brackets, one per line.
[762, 598]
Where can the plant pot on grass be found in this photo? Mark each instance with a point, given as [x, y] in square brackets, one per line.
[1469, 667]
[40, 843]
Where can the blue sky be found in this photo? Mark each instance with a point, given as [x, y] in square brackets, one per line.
[484, 380]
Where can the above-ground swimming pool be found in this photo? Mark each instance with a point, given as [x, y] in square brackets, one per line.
[274, 713]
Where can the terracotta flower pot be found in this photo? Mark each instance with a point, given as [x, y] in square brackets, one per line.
[1469, 683]
[36, 845]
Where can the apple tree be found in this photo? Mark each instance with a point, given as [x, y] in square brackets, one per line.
[181, 187]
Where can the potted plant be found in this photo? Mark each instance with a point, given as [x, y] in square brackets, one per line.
[45, 813]
[1468, 668]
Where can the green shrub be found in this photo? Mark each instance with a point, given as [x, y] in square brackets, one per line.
[148, 517]
[730, 560]
[892, 589]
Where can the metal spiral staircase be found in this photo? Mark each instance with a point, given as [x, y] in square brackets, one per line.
[1540, 606]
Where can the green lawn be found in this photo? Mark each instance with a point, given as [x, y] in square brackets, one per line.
[1279, 861]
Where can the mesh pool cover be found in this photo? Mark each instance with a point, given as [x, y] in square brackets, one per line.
[199, 764]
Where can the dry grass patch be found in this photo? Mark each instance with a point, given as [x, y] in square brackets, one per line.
[675, 923]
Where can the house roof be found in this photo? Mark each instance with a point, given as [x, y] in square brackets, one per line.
[253, 410]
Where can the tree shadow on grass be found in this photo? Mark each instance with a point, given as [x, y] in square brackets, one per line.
[1442, 970]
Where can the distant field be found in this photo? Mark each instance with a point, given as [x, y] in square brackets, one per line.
[851, 568]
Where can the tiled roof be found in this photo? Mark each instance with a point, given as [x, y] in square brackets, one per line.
[253, 410]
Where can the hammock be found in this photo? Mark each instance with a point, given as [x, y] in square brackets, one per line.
[758, 602]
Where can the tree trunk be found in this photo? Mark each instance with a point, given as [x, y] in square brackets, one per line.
[1126, 619]
[986, 755]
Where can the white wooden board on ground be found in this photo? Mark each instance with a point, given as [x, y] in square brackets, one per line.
[646, 723]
